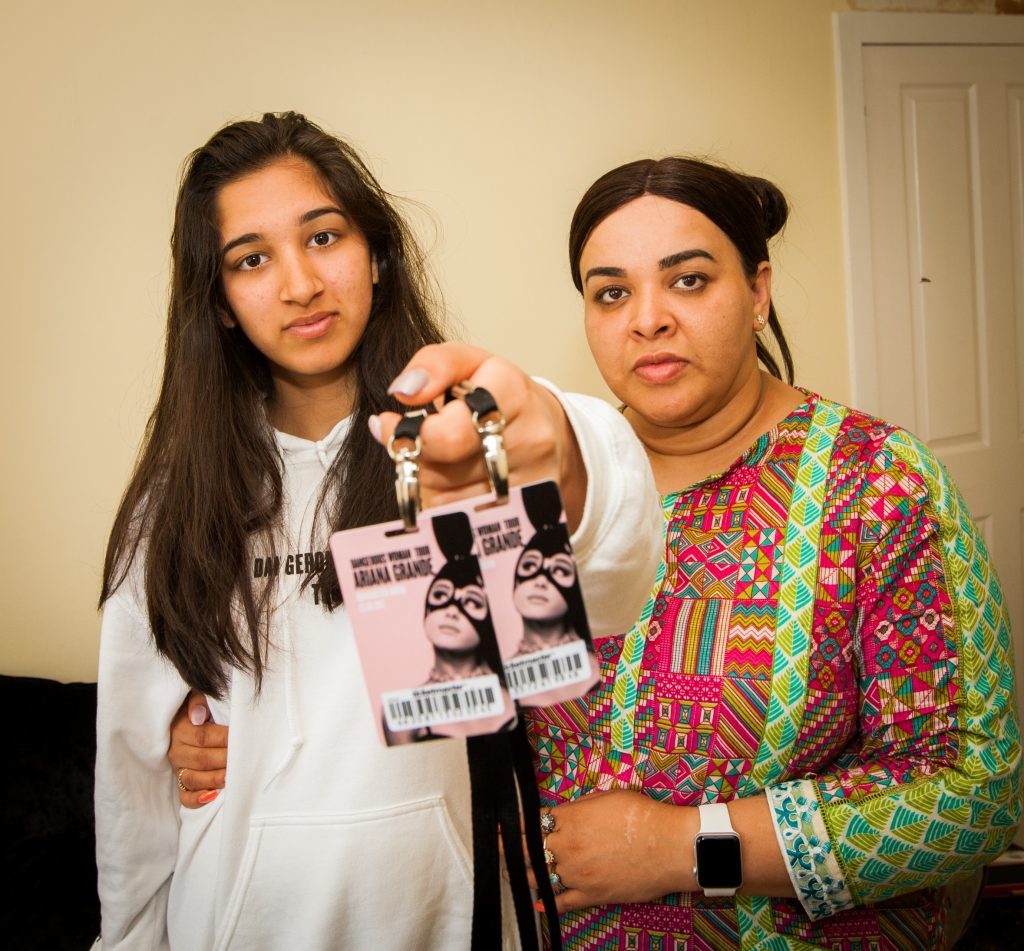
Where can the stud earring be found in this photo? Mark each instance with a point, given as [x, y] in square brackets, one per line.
[760, 321]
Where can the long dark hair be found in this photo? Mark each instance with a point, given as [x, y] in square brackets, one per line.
[208, 480]
[749, 210]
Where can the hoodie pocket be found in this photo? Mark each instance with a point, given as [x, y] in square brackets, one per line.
[396, 877]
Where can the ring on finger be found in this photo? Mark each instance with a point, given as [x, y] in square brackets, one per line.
[556, 883]
[181, 785]
[547, 822]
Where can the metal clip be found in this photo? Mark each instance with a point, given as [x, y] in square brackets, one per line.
[404, 448]
[490, 424]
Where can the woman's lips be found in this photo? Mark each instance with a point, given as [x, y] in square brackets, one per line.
[315, 325]
[660, 368]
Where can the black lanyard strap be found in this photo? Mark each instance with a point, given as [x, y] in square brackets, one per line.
[502, 783]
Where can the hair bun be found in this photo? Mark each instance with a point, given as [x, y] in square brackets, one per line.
[774, 207]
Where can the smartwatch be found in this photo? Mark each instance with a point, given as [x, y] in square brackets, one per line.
[716, 850]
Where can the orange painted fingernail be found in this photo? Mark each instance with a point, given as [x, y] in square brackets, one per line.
[538, 906]
[207, 796]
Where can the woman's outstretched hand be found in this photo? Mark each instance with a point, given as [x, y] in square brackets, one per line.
[538, 438]
[617, 847]
[198, 752]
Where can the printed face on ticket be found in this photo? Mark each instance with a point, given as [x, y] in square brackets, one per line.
[478, 606]
[424, 630]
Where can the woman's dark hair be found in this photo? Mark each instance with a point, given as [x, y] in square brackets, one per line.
[749, 210]
[207, 486]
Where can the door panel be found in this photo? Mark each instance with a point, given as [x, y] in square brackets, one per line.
[944, 127]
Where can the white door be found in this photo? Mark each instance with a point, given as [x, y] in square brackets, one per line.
[944, 130]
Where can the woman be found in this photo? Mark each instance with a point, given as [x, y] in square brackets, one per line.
[826, 652]
[297, 297]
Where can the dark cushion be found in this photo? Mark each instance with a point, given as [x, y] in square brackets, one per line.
[47, 837]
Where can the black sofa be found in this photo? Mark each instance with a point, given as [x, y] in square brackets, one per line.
[47, 829]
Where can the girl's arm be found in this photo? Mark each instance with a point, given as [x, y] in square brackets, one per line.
[601, 468]
[136, 793]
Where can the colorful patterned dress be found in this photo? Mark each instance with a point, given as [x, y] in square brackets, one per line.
[828, 628]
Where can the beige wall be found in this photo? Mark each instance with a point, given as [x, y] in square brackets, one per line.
[494, 115]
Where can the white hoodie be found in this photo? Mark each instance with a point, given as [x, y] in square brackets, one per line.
[322, 838]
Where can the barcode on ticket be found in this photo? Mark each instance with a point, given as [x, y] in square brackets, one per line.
[534, 673]
[435, 704]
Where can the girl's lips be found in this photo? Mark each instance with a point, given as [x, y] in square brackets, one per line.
[662, 370]
[309, 328]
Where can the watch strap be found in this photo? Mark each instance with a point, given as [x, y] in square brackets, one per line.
[714, 817]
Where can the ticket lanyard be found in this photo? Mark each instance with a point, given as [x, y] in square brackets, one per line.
[503, 787]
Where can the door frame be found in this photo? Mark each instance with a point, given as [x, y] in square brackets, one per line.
[851, 33]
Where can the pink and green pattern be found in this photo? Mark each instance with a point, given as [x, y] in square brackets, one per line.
[827, 628]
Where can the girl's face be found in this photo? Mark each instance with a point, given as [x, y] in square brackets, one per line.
[537, 593]
[452, 614]
[670, 313]
[297, 273]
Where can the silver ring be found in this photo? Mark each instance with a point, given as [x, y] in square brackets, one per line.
[547, 822]
[181, 785]
[549, 857]
[407, 483]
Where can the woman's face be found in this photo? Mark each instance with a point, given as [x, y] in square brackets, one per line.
[297, 272]
[537, 592]
[451, 613]
[670, 313]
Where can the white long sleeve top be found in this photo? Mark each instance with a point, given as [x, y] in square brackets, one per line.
[322, 837]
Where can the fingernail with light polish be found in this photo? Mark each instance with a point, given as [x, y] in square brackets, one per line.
[374, 423]
[207, 796]
[409, 383]
[198, 715]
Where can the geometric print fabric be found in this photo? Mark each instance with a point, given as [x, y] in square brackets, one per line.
[906, 770]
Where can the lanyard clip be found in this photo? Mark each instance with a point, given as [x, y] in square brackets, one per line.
[490, 424]
[404, 447]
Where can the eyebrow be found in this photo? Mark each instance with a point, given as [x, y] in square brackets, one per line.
[305, 219]
[603, 272]
[682, 256]
[663, 265]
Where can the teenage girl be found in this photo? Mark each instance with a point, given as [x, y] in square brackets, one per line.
[297, 299]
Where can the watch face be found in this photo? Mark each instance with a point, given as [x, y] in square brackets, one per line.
[718, 861]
